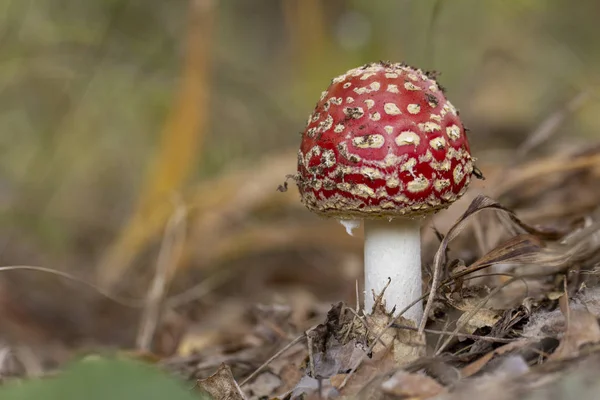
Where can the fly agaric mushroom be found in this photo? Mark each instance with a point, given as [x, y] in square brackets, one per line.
[385, 146]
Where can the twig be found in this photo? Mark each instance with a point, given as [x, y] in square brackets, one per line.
[270, 360]
[200, 290]
[449, 333]
[355, 314]
[438, 343]
[551, 124]
[311, 356]
[169, 253]
[127, 302]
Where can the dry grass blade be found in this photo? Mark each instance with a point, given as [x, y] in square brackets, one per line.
[551, 124]
[463, 335]
[480, 203]
[167, 260]
[180, 143]
[127, 302]
[544, 168]
[271, 359]
[519, 249]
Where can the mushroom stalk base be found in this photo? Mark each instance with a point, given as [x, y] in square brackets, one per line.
[393, 250]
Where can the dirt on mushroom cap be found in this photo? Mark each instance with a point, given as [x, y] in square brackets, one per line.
[383, 141]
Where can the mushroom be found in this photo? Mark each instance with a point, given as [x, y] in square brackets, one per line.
[384, 146]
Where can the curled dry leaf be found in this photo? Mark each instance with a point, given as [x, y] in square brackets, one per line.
[221, 385]
[582, 329]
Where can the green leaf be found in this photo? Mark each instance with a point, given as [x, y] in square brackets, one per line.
[100, 379]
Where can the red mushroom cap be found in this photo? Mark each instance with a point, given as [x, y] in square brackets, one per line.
[383, 141]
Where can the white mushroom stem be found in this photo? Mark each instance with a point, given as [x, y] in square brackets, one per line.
[393, 250]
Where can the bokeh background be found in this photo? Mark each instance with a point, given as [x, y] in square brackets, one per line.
[142, 143]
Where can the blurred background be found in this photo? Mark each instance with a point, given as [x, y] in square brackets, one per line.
[142, 143]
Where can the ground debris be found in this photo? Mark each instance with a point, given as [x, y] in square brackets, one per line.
[221, 385]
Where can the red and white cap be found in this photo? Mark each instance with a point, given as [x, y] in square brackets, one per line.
[383, 142]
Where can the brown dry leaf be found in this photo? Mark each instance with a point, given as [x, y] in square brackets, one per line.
[582, 329]
[263, 386]
[221, 385]
[414, 386]
[478, 364]
[404, 345]
[365, 382]
[483, 317]
[480, 203]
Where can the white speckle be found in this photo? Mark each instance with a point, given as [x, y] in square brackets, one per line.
[391, 109]
[360, 90]
[347, 85]
[336, 100]
[441, 166]
[323, 94]
[409, 165]
[367, 76]
[363, 190]
[328, 158]
[368, 141]
[428, 156]
[411, 86]
[435, 117]
[429, 127]
[452, 108]
[418, 185]
[433, 88]
[392, 181]
[370, 103]
[340, 78]
[391, 159]
[316, 117]
[339, 128]
[371, 173]
[375, 116]
[413, 77]
[350, 225]
[389, 129]
[391, 75]
[392, 88]
[314, 151]
[439, 143]
[375, 86]
[449, 196]
[441, 184]
[413, 108]
[349, 99]
[354, 112]
[453, 132]
[407, 138]
[324, 126]
[311, 132]
[458, 174]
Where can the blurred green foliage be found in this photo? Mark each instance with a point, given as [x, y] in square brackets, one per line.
[102, 379]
